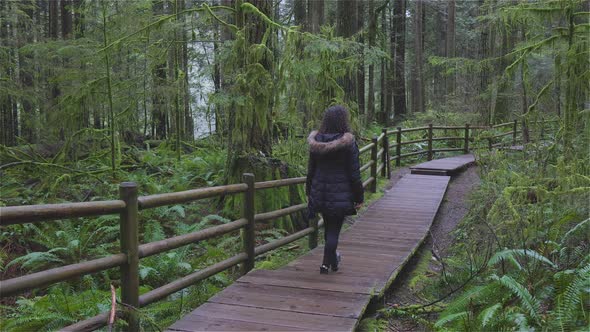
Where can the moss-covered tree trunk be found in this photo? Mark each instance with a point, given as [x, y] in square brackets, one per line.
[250, 120]
[399, 55]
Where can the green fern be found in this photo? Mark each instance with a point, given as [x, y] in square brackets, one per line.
[487, 315]
[510, 254]
[529, 302]
[444, 320]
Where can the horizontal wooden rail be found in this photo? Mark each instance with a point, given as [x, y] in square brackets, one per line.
[152, 201]
[268, 216]
[483, 137]
[380, 154]
[366, 148]
[186, 281]
[447, 138]
[90, 324]
[380, 168]
[368, 181]
[407, 130]
[413, 153]
[448, 127]
[503, 124]
[503, 134]
[161, 246]
[366, 166]
[414, 141]
[380, 137]
[447, 149]
[11, 215]
[282, 241]
[171, 288]
[44, 278]
[279, 183]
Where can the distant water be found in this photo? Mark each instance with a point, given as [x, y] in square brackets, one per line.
[200, 87]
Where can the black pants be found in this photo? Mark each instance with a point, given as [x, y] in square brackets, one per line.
[332, 227]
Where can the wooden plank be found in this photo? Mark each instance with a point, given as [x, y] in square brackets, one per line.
[447, 164]
[349, 254]
[298, 297]
[357, 237]
[281, 318]
[310, 280]
[355, 266]
[193, 323]
[319, 302]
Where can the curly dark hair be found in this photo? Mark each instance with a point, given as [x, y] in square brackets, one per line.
[335, 121]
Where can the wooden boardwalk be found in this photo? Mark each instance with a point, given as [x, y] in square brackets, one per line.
[445, 166]
[296, 297]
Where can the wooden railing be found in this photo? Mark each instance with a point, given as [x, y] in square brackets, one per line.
[129, 205]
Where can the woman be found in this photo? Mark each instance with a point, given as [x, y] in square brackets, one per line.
[334, 187]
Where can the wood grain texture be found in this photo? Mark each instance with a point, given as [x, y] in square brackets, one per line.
[446, 166]
[297, 297]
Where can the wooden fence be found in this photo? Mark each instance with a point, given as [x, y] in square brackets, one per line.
[129, 205]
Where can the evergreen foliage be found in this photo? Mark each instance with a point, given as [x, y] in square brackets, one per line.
[178, 94]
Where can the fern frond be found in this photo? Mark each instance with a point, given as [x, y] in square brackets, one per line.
[450, 318]
[509, 254]
[488, 314]
[529, 302]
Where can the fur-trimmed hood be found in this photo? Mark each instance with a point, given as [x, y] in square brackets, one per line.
[326, 147]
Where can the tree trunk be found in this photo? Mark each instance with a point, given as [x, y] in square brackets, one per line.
[439, 80]
[66, 19]
[418, 82]
[450, 46]
[53, 19]
[346, 26]
[26, 65]
[384, 94]
[316, 11]
[371, 37]
[188, 116]
[399, 55]
[260, 137]
[159, 118]
[54, 88]
[360, 76]
[299, 13]
[557, 76]
[6, 99]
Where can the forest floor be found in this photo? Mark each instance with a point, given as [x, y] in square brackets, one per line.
[453, 209]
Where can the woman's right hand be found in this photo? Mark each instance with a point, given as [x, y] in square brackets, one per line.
[358, 206]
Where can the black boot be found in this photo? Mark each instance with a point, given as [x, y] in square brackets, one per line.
[338, 259]
[324, 269]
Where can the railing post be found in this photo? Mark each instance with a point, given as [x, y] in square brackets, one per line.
[514, 128]
[385, 172]
[398, 147]
[313, 236]
[430, 141]
[374, 166]
[466, 145]
[128, 224]
[248, 213]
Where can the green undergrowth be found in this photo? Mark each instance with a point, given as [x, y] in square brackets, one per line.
[29, 248]
[520, 258]
[72, 174]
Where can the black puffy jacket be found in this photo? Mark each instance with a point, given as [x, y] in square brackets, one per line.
[334, 182]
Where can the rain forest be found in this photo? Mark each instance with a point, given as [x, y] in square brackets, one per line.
[153, 152]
